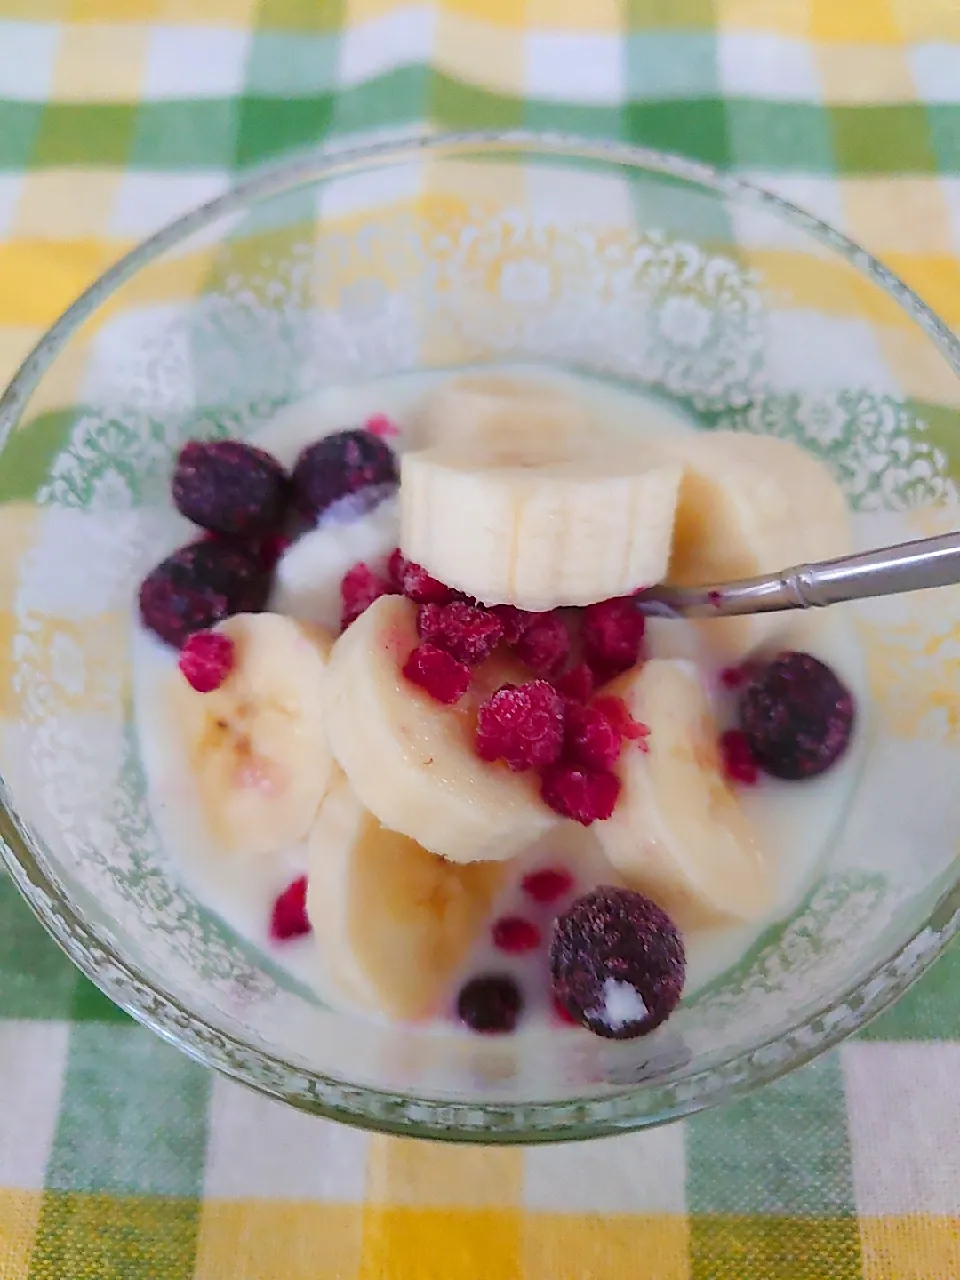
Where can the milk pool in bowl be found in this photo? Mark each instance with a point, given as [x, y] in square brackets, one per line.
[796, 823]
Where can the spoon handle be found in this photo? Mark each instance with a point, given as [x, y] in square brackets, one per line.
[910, 566]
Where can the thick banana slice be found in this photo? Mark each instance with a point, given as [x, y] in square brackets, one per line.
[750, 505]
[392, 921]
[679, 833]
[256, 745]
[539, 527]
[410, 760]
[500, 412]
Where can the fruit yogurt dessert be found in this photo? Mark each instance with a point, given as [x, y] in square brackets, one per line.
[405, 729]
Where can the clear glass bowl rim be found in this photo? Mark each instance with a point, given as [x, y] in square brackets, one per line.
[586, 1116]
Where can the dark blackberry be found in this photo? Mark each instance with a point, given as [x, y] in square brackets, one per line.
[230, 487]
[200, 585]
[338, 465]
[797, 717]
[490, 1004]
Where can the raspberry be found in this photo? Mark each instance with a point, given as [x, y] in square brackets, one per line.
[230, 487]
[382, 426]
[547, 885]
[206, 660]
[797, 717]
[337, 465]
[200, 585]
[617, 963]
[585, 795]
[589, 737]
[513, 620]
[396, 568]
[544, 645]
[618, 713]
[289, 917]
[521, 725]
[467, 632]
[359, 587]
[434, 670]
[490, 1004]
[612, 632]
[563, 1014]
[515, 935]
[576, 685]
[422, 588]
[739, 764]
[733, 677]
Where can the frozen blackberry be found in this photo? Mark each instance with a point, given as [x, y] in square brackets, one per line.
[617, 963]
[200, 585]
[230, 487]
[490, 1004]
[338, 465]
[797, 717]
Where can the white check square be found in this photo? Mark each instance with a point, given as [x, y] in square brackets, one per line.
[27, 53]
[195, 62]
[755, 65]
[401, 39]
[578, 68]
[635, 1173]
[32, 1060]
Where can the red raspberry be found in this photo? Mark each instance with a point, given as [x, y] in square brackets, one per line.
[618, 713]
[733, 677]
[230, 487]
[576, 685]
[289, 918]
[590, 739]
[382, 426]
[739, 763]
[612, 632]
[515, 935]
[206, 660]
[547, 885]
[422, 588]
[562, 1013]
[544, 645]
[513, 620]
[358, 590]
[585, 795]
[467, 632]
[434, 670]
[521, 725]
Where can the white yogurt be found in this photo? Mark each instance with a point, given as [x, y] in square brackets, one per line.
[796, 823]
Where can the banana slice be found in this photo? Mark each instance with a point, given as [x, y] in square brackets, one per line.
[392, 921]
[679, 833]
[497, 411]
[750, 505]
[410, 760]
[256, 746]
[539, 526]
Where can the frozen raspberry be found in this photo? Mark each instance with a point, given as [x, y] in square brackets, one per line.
[396, 568]
[513, 620]
[382, 426]
[422, 588]
[469, 633]
[585, 795]
[434, 670]
[739, 764]
[230, 487]
[797, 717]
[521, 725]
[200, 585]
[490, 1004]
[544, 645]
[337, 465]
[590, 739]
[359, 587]
[547, 885]
[733, 677]
[289, 918]
[618, 713]
[515, 935]
[576, 685]
[612, 633]
[206, 660]
[563, 1014]
[617, 963]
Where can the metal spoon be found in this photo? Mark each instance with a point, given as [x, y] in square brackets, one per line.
[911, 566]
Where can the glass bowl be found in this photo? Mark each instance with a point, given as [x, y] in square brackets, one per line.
[459, 251]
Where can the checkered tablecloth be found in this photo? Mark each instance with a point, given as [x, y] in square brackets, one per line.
[118, 1156]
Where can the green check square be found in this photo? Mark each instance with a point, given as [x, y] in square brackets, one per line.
[86, 133]
[99, 1237]
[28, 453]
[38, 980]
[697, 129]
[663, 64]
[929, 1011]
[132, 1115]
[588, 122]
[19, 126]
[185, 135]
[300, 15]
[774, 1248]
[783, 1150]
[281, 65]
[455, 105]
[944, 121]
[268, 126]
[669, 13]
[883, 139]
[779, 136]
